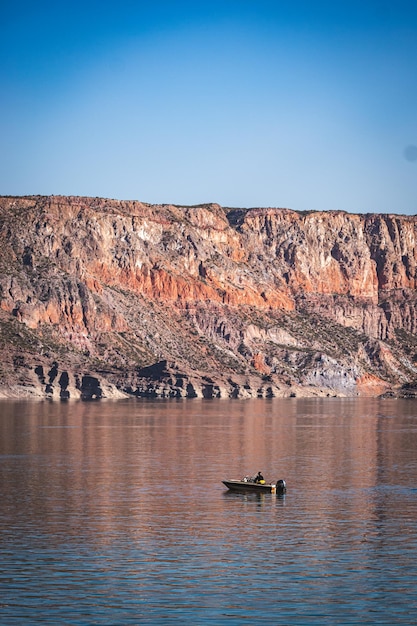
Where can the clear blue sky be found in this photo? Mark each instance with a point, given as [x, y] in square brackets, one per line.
[305, 105]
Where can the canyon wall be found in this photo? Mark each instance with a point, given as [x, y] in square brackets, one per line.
[105, 298]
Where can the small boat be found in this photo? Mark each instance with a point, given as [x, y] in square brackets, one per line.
[248, 484]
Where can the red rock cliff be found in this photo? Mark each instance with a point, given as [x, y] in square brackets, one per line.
[239, 302]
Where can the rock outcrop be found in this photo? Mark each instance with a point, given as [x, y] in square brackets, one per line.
[104, 298]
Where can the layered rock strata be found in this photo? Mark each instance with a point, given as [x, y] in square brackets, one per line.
[126, 298]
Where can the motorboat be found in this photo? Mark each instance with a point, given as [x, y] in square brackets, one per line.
[249, 484]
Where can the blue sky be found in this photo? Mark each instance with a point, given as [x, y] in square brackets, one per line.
[305, 105]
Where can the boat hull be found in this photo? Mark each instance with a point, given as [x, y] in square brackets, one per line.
[246, 486]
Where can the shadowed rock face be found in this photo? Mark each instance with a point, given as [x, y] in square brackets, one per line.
[203, 301]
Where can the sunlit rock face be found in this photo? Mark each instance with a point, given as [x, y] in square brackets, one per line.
[233, 302]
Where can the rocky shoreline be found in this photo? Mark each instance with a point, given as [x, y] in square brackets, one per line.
[163, 381]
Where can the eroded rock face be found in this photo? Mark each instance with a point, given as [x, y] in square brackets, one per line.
[246, 303]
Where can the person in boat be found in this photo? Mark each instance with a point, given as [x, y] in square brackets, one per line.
[259, 479]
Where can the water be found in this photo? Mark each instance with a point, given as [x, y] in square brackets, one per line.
[114, 512]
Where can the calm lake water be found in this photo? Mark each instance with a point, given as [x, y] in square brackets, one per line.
[115, 513]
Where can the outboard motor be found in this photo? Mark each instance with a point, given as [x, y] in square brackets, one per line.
[281, 486]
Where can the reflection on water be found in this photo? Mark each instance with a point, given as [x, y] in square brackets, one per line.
[115, 512]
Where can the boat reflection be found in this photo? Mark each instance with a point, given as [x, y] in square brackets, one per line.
[268, 499]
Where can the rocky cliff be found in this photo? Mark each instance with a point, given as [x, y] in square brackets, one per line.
[102, 298]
